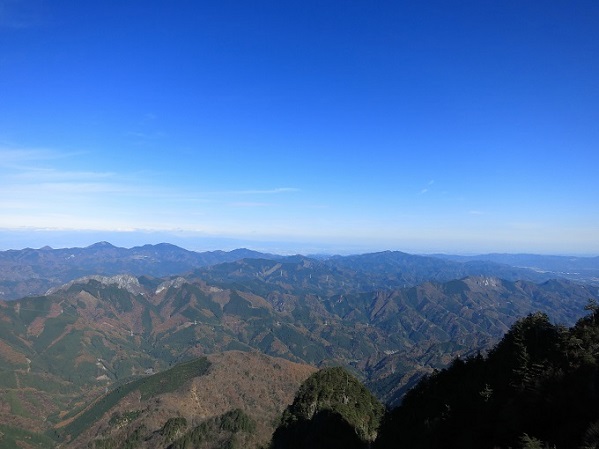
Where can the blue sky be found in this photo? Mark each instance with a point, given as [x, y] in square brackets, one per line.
[346, 126]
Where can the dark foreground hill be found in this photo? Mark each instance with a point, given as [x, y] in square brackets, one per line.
[331, 410]
[537, 388]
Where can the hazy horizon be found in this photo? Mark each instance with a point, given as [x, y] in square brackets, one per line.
[60, 240]
[424, 127]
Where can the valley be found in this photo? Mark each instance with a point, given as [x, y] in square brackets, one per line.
[389, 318]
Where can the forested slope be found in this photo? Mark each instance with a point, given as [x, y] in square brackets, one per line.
[538, 387]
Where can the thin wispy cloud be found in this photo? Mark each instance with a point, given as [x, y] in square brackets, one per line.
[173, 145]
[250, 204]
[427, 188]
[48, 188]
[139, 138]
[263, 192]
[31, 173]
[36, 188]
[11, 157]
[41, 175]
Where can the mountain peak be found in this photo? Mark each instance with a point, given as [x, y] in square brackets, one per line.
[101, 245]
[124, 281]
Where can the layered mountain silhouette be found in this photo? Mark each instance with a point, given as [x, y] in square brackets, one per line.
[581, 269]
[94, 350]
[30, 272]
[90, 336]
[33, 271]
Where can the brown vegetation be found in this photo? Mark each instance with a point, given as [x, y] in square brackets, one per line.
[259, 385]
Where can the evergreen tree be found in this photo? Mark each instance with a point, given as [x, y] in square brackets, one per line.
[331, 409]
[539, 387]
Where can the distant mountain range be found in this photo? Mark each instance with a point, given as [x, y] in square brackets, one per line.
[29, 272]
[580, 269]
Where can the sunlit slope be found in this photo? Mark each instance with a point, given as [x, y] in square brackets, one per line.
[99, 331]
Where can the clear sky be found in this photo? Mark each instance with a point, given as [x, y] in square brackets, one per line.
[423, 126]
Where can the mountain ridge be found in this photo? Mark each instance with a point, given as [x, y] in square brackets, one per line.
[30, 271]
[192, 316]
[64, 349]
[577, 268]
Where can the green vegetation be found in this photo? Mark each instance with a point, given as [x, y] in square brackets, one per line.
[8, 379]
[44, 383]
[53, 328]
[173, 428]
[98, 345]
[537, 388]
[122, 419]
[16, 407]
[243, 308]
[132, 441]
[14, 438]
[224, 431]
[172, 379]
[331, 409]
[34, 307]
[236, 421]
[149, 386]
[118, 297]
[61, 346]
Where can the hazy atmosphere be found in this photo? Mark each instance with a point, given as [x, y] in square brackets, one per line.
[345, 126]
